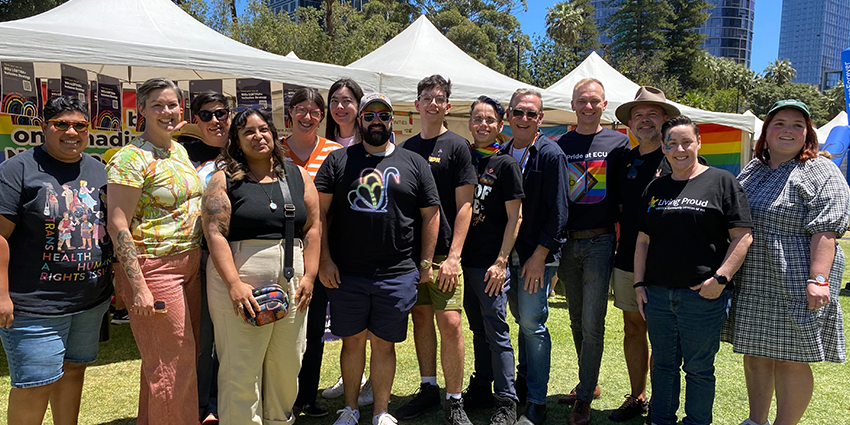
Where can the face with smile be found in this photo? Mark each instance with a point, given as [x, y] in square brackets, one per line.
[255, 139]
[524, 128]
[215, 130]
[681, 147]
[646, 121]
[786, 135]
[588, 103]
[484, 125]
[162, 112]
[432, 105]
[68, 145]
[376, 132]
[343, 107]
[306, 117]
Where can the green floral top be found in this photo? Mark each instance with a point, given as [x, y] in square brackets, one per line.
[167, 220]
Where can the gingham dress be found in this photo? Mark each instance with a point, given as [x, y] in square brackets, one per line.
[769, 315]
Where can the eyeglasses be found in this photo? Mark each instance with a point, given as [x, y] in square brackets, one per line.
[519, 113]
[303, 112]
[245, 108]
[206, 116]
[633, 171]
[383, 116]
[427, 98]
[478, 121]
[63, 125]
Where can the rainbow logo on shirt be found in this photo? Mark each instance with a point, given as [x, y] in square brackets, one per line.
[370, 195]
[588, 181]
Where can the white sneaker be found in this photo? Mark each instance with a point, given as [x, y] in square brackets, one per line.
[749, 421]
[347, 416]
[365, 397]
[335, 391]
[384, 419]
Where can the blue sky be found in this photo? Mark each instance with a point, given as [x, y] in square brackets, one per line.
[765, 29]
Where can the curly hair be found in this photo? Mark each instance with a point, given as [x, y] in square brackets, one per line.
[232, 159]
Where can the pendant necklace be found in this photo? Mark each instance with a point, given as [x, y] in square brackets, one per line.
[272, 205]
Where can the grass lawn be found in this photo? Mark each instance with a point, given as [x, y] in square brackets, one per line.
[112, 383]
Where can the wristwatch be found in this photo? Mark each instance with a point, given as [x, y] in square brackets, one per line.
[819, 280]
[723, 280]
[425, 264]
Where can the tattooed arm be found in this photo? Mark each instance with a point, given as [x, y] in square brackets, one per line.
[215, 212]
[122, 205]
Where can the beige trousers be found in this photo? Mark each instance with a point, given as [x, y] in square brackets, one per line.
[258, 372]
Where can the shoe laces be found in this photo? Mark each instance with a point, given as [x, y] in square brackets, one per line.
[347, 416]
[384, 419]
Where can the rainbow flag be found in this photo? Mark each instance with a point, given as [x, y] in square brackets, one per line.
[721, 146]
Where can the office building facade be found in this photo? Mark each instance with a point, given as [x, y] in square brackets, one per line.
[289, 6]
[812, 35]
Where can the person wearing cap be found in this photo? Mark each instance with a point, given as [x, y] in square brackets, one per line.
[693, 237]
[645, 115]
[785, 312]
[372, 194]
[540, 235]
[450, 159]
[595, 155]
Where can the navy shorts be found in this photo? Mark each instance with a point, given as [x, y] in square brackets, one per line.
[381, 305]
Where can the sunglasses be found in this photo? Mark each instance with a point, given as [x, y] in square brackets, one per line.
[633, 171]
[219, 114]
[63, 125]
[383, 116]
[519, 113]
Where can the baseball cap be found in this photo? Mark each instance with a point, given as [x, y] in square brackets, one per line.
[790, 103]
[373, 97]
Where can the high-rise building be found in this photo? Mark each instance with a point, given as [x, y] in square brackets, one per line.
[728, 31]
[289, 6]
[812, 35]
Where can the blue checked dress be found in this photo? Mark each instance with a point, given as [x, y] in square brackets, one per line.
[769, 315]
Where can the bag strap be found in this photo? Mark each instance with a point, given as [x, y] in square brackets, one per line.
[289, 226]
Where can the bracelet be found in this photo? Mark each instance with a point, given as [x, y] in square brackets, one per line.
[814, 282]
[639, 285]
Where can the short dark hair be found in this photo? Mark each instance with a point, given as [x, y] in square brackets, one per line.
[331, 127]
[208, 96]
[307, 94]
[435, 80]
[500, 110]
[677, 121]
[58, 105]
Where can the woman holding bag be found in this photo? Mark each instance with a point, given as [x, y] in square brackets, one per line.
[245, 211]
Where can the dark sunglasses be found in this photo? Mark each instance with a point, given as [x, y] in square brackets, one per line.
[63, 125]
[633, 171]
[383, 116]
[519, 113]
[219, 114]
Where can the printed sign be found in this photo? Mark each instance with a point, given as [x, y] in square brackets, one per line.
[253, 93]
[108, 115]
[75, 82]
[20, 93]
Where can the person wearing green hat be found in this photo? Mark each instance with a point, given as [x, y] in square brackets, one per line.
[785, 312]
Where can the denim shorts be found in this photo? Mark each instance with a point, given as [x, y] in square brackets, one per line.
[36, 347]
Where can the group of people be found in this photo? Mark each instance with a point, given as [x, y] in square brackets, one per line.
[383, 232]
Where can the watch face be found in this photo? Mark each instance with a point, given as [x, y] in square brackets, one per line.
[820, 278]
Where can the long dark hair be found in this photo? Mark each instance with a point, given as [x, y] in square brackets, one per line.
[810, 148]
[331, 127]
[232, 159]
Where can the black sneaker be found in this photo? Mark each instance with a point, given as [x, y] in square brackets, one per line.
[313, 410]
[427, 398]
[505, 411]
[535, 414]
[521, 387]
[455, 415]
[120, 317]
[478, 395]
[630, 408]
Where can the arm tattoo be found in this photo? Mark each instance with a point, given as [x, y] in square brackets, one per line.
[215, 209]
[306, 241]
[126, 253]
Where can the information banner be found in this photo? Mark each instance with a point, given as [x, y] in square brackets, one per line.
[20, 92]
[196, 87]
[75, 82]
[54, 88]
[108, 103]
[251, 92]
[845, 76]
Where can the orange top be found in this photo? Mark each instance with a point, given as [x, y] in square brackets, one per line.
[320, 152]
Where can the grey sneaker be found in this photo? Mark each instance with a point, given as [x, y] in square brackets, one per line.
[334, 391]
[365, 398]
[427, 398]
[455, 415]
[505, 411]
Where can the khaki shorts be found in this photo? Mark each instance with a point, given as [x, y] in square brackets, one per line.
[624, 292]
[429, 293]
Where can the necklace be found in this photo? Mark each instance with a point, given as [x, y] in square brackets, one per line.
[272, 205]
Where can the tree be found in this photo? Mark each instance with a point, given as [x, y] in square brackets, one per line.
[834, 102]
[684, 41]
[780, 71]
[637, 30]
[11, 10]
[767, 92]
[564, 22]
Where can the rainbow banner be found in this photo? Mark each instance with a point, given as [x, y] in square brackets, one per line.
[108, 115]
[721, 146]
[20, 93]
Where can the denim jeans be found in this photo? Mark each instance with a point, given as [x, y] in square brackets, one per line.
[534, 343]
[684, 330]
[207, 359]
[585, 270]
[491, 339]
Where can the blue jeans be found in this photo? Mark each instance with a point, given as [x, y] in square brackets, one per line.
[585, 270]
[684, 330]
[534, 343]
[491, 338]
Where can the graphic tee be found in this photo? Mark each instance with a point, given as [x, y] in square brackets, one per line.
[688, 225]
[167, 220]
[593, 162]
[376, 201]
[450, 157]
[317, 157]
[499, 181]
[55, 206]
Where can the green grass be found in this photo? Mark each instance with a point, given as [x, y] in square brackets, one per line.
[111, 389]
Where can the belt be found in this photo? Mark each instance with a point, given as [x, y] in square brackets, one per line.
[589, 233]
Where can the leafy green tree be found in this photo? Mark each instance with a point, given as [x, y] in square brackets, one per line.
[639, 27]
[780, 71]
[767, 92]
[11, 10]
[564, 22]
[835, 101]
[683, 40]
[550, 61]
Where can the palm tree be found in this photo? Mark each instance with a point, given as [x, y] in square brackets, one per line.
[780, 71]
[564, 22]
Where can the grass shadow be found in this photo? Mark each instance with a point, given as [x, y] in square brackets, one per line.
[122, 421]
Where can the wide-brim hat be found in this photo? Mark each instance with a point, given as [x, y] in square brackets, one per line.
[191, 130]
[646, 95]
[371, 98]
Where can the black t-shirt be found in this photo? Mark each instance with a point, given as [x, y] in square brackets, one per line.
[252, 218]
[203, 158]
[688, 225]
[450, 157]
[499, 181]
[593, 161]
[636, 173]
[50, 202]
[376, 200]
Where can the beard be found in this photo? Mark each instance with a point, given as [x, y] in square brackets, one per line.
[377, 134]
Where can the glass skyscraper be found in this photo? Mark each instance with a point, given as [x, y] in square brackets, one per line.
[289, 6]
[812, 35]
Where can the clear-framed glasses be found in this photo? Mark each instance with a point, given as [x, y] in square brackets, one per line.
[479, 121]
[301, 111]
[427, 99]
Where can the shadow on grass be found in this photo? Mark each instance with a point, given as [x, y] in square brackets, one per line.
[120, 347]
[122, 421]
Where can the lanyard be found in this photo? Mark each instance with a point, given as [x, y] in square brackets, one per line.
[524, 160]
